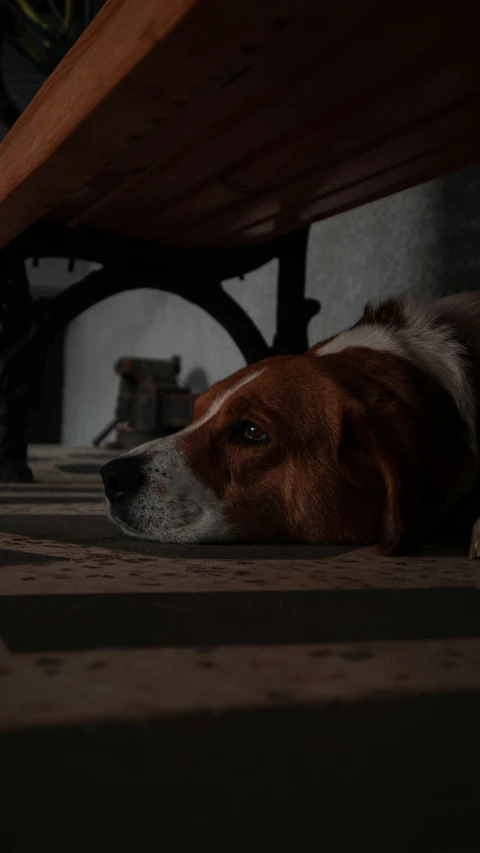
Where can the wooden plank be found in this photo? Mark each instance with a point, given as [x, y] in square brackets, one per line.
[41, 158]
[108, 685]
[204, 131]
[289, 112]
[414, 143]
[134, 67]
[442, 161]
[383, 126]
[196, 122]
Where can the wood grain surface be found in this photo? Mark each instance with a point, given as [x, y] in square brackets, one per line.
[205, 122]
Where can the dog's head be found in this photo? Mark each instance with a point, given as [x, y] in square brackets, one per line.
[281, 450]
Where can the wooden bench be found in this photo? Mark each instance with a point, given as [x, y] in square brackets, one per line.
[182, 142]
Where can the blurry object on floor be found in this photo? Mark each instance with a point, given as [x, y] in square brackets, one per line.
[198, 381]
[150, 404]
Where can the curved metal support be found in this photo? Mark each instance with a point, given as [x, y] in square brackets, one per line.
[179, 267]
[25, 342]
[48, 240]
[101, 284]
[130, 265]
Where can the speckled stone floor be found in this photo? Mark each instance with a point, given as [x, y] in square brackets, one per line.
[217, 690]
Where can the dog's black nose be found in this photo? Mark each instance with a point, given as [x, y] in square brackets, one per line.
[121, 476]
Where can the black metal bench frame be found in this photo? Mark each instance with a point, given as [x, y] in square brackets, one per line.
[27, 326]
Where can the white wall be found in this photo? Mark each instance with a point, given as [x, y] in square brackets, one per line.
[376, 250]
[52, 275]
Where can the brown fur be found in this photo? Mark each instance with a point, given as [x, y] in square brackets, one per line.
[349, 434]
[390, 312]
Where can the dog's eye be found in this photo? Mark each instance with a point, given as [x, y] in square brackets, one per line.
[253, 432]
[246, 431]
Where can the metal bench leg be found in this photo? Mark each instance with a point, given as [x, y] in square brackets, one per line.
[19, 387]
[294, 310]
[27, 327]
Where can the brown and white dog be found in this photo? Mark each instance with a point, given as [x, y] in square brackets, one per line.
[369, 437]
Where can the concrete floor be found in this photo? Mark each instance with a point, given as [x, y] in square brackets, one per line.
[149, 689]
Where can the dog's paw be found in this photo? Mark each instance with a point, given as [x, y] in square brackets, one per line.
[474, 552]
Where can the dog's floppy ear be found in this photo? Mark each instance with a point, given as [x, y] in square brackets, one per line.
[367, 458]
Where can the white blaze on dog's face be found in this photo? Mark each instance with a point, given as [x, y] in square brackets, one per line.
[262, 459]
[169, 501]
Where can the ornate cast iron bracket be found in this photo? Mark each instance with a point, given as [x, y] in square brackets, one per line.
[27, 326]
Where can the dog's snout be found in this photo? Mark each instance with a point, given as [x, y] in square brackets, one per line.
[121, 476]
